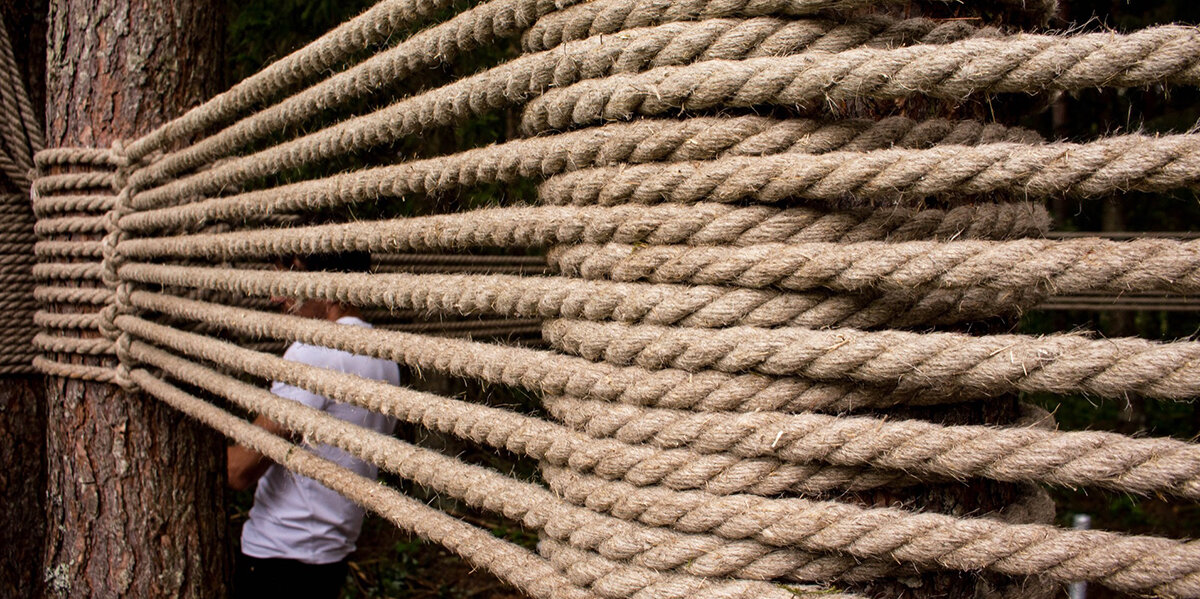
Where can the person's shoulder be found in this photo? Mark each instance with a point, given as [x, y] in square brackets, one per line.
[304, 353]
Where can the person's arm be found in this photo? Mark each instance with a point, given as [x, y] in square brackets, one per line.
[244, 465]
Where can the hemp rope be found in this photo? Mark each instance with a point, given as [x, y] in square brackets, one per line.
[552, 297]
[515, 81]
[1081, 265]
[919, 448]
[1070, 551]
[529, 504]
[1116, 164]
[606, 17]
[710, 431]
[911, 446]
[550, 373]
[991, 365]
[20, 138]
[646, 140]
[510, 563]
[700, 224]
[540, 439]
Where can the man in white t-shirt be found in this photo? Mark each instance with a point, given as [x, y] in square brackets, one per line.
[299, 532]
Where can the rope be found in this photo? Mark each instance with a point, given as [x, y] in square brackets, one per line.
[700, 224]
[1136, 575]
[510, 563]
[722, 298]
[990, 365]
[1116, 164]
[1084, 265]
[642, 141]
[552, 297]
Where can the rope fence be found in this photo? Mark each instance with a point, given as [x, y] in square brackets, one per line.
[736, 276]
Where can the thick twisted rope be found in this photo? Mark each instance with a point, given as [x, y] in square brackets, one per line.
[993, 364]
[503, 86]
[551, 373]
[606, 17]
[642, 141]
[905, 177]
[1009, 454]
[1083, 265]
[509, 562]
[554, 297]
[371, 28]
[1169, 559]
[640, 465]
[1020, 63]
[912, 446]
[520, 227]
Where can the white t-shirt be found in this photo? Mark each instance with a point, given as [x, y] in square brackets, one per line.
[295, 517]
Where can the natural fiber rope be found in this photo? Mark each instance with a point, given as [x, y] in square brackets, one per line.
[1084, 265]
[1115, 164]
[20, 138]
[700, 224]
[648, 140]
[1172, 559]
[510, 563]
[551, 373]
[727, 323]
[510, 83]
[919, 448]
[991, 365]
[552, 297]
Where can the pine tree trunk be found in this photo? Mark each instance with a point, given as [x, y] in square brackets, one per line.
[136, 497]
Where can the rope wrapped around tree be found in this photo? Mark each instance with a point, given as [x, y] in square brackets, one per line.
[745, 296]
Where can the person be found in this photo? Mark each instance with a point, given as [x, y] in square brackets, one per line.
[299, 532]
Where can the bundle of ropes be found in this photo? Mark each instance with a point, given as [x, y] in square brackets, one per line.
[20, 138]
[746, 298]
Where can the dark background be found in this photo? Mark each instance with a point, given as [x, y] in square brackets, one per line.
[390, 563]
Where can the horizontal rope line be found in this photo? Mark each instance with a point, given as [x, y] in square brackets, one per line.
[457, 259]
[699, 224]
[993, 364]
[1021, 63]
[509, 562]
[480, 487]
[906, 177]
[1014, 454]
[45, 205]
[549, 297]
[50, 184]
[68, 271]
[88, 346]
[548, 372]
[98, 374]
[503, 86]
[1061, 267]
[492, 483]
[534, 437]
[606, 17]
[48, 294]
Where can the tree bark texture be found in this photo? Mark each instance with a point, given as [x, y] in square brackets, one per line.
[22, 398]
[135, 489]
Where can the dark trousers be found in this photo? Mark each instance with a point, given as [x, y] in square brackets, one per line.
[259, 578]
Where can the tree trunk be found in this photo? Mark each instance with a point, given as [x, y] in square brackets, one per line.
[22, 400]
[136, 490]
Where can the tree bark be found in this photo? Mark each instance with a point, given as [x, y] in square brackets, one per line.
[136, 490]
